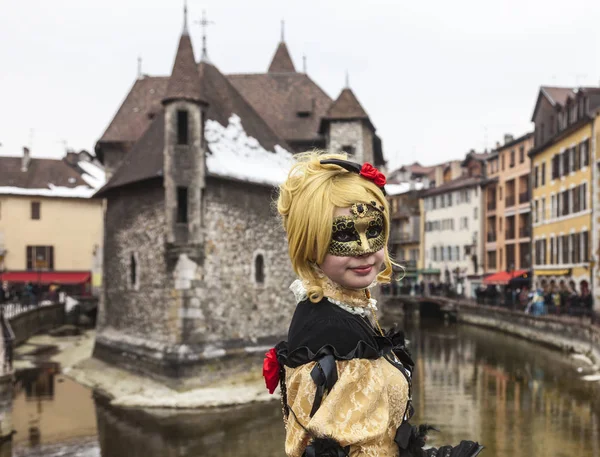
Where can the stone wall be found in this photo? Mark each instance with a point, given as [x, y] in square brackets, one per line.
[194, 318]
[241, 224]
[568, 334]
[36, 320]
[135, 227]
[351, 133]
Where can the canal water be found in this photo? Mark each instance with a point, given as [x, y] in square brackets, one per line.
[517, 398]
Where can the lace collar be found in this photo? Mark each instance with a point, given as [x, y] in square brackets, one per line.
[354, 301]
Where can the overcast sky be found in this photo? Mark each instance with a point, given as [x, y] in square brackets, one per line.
[437, 78]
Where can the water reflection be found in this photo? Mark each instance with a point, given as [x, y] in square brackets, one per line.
[517, 398]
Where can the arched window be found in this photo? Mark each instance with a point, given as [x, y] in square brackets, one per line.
[259, 269]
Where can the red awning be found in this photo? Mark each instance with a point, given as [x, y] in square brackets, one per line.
[47, 277]
[503, 277]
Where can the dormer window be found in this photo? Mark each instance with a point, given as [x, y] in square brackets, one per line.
[303, 113]
[182, 127]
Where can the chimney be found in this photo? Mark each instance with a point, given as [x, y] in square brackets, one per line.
[26, 159]
[497, 145]
[508, 138]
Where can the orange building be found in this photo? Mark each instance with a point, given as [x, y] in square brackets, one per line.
[507, 207]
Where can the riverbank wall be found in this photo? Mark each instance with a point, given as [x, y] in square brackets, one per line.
[569, 334]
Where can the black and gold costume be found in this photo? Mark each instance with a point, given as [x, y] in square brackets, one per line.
[346, 388]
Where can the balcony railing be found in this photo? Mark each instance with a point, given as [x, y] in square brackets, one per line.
[491, 237]
[524, 197]
[491, 206]
[510, 201]
[403, 237]
[524, 232]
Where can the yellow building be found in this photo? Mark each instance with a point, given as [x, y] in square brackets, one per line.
[561, 180]
[50, 229]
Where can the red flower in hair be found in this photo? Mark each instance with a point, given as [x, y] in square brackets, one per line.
[271, 370]
[371, 173]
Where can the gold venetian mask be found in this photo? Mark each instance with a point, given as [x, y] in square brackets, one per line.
[361, 233]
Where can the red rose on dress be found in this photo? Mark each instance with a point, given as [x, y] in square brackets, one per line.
[271, 370]
[371, 173]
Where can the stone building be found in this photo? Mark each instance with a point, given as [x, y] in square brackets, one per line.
[196, 265]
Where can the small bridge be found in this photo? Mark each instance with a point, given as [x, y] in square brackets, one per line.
[427, 306]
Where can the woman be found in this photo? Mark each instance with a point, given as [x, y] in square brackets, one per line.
[345, 384]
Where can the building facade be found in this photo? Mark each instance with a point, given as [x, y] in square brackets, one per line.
[196, 262]
[507, 207]
[50, 229]
[565, 122]
[405, 233]
[452, 217]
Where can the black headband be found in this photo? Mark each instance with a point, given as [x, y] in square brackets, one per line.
[350, 166]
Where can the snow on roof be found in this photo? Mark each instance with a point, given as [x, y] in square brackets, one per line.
[93, 174]
[234, 154]
[51, 191]
[397, 189]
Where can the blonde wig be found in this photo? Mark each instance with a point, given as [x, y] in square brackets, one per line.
[307, 202]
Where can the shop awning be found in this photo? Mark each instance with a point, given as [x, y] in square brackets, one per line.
[503, 277]
[47, 277]
[558, 272]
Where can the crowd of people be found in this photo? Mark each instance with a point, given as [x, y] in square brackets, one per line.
[551, 297]
[29, 293]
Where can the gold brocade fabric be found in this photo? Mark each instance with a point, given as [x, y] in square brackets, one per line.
[364, 408]
[359, 297]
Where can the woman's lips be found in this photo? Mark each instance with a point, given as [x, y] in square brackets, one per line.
[362, 270]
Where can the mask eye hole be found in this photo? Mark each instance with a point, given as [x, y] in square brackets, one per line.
[374, 232]
[343, 236]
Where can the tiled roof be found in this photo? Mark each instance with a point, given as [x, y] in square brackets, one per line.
[282, 61]
[40, 173]
[184, 83]
[557, 95]
[145, 160]
[346, 106]
[458, 183]
[136, 112]
[280, 97]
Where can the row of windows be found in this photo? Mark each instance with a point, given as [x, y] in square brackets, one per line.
[571, 201]
[450, 199]
[570, 160]
[448, 224]
[493, 164]
[563, 249]
[442, 224]
[448, 253]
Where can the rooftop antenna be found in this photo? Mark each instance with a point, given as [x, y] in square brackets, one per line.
[347, 80]
[204, 23]
[282, 30]
[139, 67]
[304, 63]
[185, 21]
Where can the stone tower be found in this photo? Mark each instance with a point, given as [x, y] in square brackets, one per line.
[347, 128]
[184, 184]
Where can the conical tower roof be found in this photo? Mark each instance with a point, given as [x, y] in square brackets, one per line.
[346, 106]
[184, 83]
[282, 62]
